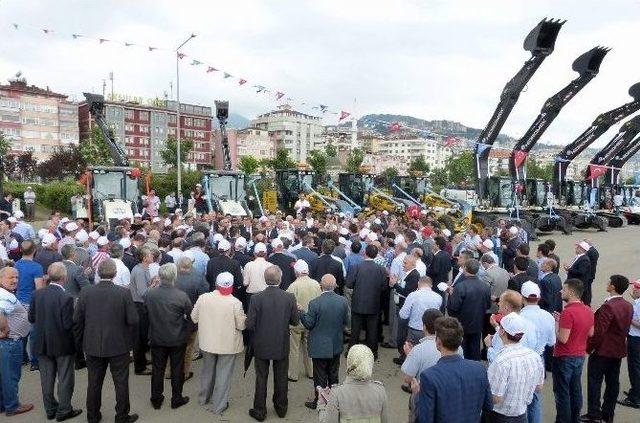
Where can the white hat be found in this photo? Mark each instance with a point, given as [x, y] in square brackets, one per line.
[18, 214]
[64, 220]
[13, 245]
[372, 236]
[277, 243]
[217, 238]
[241, 242]
[224, 280]
[224, 245]
[340, 214]
[530, 289]
[156, 220]
[260, 248]
[167, 222]
[399, 239]
[263, 219]
[12, 219]
[199, 185]
[137, 215]
[342, 240]
[189, 254]
[363, 233]
[446, 232]
[301, 266]
[584, 245]
[367, 225]
[384, 212]
[344, 231]
[102, 241]
[71, 226]
[513, 324]
[513, 230]
[94, 235]
[82, 236]
[423, 212]
[42, 232]
[488, 243]
[377, 221]
[48, 239]
[125, 242]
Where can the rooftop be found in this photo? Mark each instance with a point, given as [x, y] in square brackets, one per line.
[19, 85]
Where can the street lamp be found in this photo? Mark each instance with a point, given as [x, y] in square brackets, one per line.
[178, 164]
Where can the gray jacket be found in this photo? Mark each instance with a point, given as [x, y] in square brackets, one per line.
[498, 279]
[168, 308]
[76, 279]
[327, 316]
[140, 281]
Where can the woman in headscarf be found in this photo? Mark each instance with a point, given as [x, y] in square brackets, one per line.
[359, 399]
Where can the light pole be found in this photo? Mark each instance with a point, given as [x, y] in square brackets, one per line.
[179, 164]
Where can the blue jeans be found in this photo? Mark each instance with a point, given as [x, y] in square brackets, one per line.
[534, 410]
[10, 372]
[567, 387]
[32, 354]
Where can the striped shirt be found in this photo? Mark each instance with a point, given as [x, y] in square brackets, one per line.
[513, 376]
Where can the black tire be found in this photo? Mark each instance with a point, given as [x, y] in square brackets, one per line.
[545, 224]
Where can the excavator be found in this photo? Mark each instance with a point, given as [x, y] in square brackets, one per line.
[113, 191]
[631, 194]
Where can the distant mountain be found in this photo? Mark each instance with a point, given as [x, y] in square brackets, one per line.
[237, 121]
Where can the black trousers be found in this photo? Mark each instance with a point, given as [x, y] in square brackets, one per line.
[280, 385]
[471, 346]
[586, 294]
[96, 369]
[368, 322]
[159, 356]
[141, 340]
[403, 332]
[599, 368]
[633, 361]
[491, 416]
[325, 372]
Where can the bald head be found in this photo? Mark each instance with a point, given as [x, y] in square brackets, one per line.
[57, 273]
[328, 282]
[273, 275]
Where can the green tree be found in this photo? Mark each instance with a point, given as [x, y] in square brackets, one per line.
[95, 150]
[418, 164]
[248, 164]
[536, 170]
[460, 168]
[387, 175]
[330, 150]
[355, 159]
[26, 165]
[5, 145]
[439, 178]
[170, 153]
[63, 162]
[282, 160]
[318, 160]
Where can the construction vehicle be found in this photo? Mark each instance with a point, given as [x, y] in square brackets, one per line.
[113, 191]
[356, 186]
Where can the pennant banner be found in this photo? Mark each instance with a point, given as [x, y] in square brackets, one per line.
[519, 157]
[242, 81]
[279, 95]
[344, 115]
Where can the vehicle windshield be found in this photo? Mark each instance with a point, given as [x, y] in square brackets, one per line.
[109, 184]
[228, 186]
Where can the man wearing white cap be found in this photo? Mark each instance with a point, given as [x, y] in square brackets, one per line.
[48, 251]
[580, 268]
[30, 203]
[515, 374]
[23, 228]
[486, 247]
[102, 253]
[304, 289]
[223, 263]
[253, 274]
[220, 322]
[283, 261]
[240, 255]
[69, 230]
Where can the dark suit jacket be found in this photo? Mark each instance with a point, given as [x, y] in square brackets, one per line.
[368, 281]
[285, 263]
[509, 253]
[241, 258]
[193, 284]
[104, 320]
[550, 297]
[168, 308]
[327, 264]
[439, 268]
[410, 285]
[327, 316]
[270, 314]
[52, 311]
[304, 253]
[532, 271]
[470, 300]
[220, 264]
[130, 259]
[515, 283]
[593, 255]
[612, 321]
[76, 279]
[581, 269]
[165, 258]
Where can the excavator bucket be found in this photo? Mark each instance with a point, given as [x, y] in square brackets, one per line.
[634, 91]
[542, 38]
[589, 62]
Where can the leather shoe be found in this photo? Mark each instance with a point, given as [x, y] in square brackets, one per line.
[292, 380]
[51, 416]
[70, 415]
[398, 361]
[312, 404]
[157, 403]
[586, 418]
[628, 403]
[81, 365]
[281, 413]
[131, 418]
[145, 372]
[253, 413]
[34, 367]
[406, 388]
[179, 403]
[22, 408]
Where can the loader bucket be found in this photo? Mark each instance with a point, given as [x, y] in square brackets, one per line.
[542, 38]
[634, 91]
[589, 62]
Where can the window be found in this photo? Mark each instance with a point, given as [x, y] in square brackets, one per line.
[129, 127]
[188, 121]
[172, 119]
[143, 116]
[144, 129]
[128, 114]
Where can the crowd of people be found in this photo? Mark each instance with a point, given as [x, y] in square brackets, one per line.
[477, 318]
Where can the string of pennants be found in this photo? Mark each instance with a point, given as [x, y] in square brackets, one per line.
[210, 69]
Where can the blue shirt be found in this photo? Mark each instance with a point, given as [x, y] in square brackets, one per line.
[24, 230]
[28, 272]
[201, 260]
[351, 261]
[455, 390]
[416, 304]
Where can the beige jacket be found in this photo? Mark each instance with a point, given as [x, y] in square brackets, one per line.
[304, 289]
[253, 275]
[220, 322]
[356, 401]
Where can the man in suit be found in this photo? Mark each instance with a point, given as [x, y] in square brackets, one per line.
[167, 308]
[509, 248]
[76, 278]
[440, 265]
[52, 310]
[580, 268]
[498, 279]
[240, 254]
[304, 252]
[520, 275]
[468, 302]
[104, 320]
[164, 243]
[593, 255]
[368, 281]
[326, 319]
[402, 289]
[550, 287]
[224, 263]
[284, 262]
[271, 311]
[532, 269]
[326, 264]
[608, 347]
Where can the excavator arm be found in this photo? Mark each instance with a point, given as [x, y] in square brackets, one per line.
[599, 126]
[627, 132]
[222, 114]
[540, 42]
[587, 65]
[96, 108]
[620, 159]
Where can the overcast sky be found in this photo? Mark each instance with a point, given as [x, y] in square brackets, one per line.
[433, 59]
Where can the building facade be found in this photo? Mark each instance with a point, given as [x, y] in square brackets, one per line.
[232, 140]
[255, 142]
[142, 130]
[297, 132]
[433, 151]
[36, 119]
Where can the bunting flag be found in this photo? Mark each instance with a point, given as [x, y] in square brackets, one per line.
[394, 127]
[519, 157]
[595, 171]
[181, 55]
[195, 62]
[242, 81]
[227, 75]
[15, 26]
[450, 141]
[323, 108]
[131, 44]
[102, 40]
[152, 48]
[259, 88]
[211, 69]
[343, 115]
[76, 36]
[279, 95]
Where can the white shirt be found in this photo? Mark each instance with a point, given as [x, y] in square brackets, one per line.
[633, 330]
[123, 275]
[301, 204]
[154, 269]
[253, 275]
[421, 268]
[397, 268]
[176, 253]
[514, 375]
[545, 326]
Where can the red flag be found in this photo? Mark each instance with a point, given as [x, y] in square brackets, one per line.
[344, 115]
[242, 81]
[596, 171]
[279, 95]
[211, 69]
[519, 157]
[449, 141]
[181, 55]
[394, 127]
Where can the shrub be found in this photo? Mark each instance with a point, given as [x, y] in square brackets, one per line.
[53, 195]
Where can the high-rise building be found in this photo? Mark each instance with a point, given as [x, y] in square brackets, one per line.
[36, 119]
[142, 130]
[434, 152]
[255, 142]
[297, 132]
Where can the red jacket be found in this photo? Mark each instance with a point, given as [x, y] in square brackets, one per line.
[612, 321]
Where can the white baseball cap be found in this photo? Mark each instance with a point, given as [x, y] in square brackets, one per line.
[584, 245]
[263, 219]
[217, 238]
[71, 226]
[488, 243]
[224, 245]
[377, 221]
[301, 266]
[513, 230]
[384, 212]
[446, 232]
[513, 324]
[367, 225]
[363, 233]
[167, 222]
[156, 220]
[125, 242]
[342, 240]
[82, 236]
[102, 241]
[64, 220]
[530, 289]
[94, 235]
[18, 214]
[277, 243]
[137, 215]
[399, 239]
[48, 239]
[372, 236]
[241, 242]
[344, 231]
[224, 280]
[260, 248]
[12, 219]
[13, 245]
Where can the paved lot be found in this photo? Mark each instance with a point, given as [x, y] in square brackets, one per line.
[619, 253]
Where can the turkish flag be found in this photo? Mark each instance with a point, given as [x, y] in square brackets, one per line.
[449, 141]
[519, 157]
[394, 127]
[344, 115]
[596, 171]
